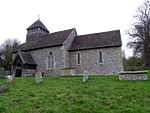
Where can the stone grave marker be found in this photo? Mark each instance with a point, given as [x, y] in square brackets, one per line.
[9, 79]
[3, 88]
[38, 77]
[85, 76]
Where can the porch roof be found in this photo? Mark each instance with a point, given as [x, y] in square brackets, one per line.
[26, 58]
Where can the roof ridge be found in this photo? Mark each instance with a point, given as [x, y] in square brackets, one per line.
[61, 31]
[98, 33]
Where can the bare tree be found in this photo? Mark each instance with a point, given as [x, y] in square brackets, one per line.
[7, 48]
[140, 33]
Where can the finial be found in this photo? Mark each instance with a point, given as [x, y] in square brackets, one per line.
[38, 17]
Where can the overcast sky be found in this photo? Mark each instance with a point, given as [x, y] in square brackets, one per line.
[87, 16]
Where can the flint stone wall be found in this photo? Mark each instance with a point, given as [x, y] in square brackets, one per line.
[112, 61]
[111, 57]
[41, 58]
[139, 75]
[65, 47]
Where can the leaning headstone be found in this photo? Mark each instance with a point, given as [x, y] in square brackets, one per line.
[2, 71]
[9, 79]
[38, 77]
[85, 76]
[3, 88]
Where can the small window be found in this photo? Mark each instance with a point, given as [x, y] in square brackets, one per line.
[50, 60]
[100, 57]
[78, 58]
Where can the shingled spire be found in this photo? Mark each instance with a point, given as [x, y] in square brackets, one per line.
[35, 31]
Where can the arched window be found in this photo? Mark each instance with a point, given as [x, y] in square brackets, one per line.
[50, 61]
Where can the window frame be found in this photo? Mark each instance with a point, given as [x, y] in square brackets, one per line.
[100, 57]
[50, 61]
[78, 58]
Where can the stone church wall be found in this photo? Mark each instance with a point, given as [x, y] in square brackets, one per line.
[66, 45]
[70, 39]
[112, 61]
[111, 57]
[41, 58]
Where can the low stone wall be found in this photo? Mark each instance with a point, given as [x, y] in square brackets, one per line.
[133, 75]
[28, 73]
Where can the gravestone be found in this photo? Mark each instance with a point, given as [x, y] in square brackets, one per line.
[3, 88]
[85, 76]
[9, 79]
[38, 77]
[2, 71]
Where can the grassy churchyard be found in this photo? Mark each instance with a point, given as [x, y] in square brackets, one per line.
[101, 94]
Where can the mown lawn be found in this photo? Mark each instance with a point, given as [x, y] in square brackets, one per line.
[101, 94]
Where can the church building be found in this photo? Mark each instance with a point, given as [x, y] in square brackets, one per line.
[64, 53]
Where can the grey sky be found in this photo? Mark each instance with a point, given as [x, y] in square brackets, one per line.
[87, 16]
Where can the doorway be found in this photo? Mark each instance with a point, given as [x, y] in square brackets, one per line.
[18, 70]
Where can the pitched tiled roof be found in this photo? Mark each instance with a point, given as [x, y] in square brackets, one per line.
[97, 40]
[90, 41]
[49, 40]
[26, 58]
[38, 23]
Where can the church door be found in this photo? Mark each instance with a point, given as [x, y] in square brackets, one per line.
[18, 70]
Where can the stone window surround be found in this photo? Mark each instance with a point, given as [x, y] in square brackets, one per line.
[47, 61]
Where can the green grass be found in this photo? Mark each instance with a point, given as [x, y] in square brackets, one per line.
[101, 94]
[148, 71]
